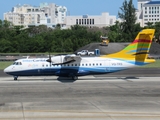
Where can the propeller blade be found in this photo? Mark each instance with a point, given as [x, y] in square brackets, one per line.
[49, 60]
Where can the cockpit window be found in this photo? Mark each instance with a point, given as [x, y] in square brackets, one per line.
[14, 63]
[17, 63]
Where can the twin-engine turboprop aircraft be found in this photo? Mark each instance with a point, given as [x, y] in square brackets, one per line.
[135, 54]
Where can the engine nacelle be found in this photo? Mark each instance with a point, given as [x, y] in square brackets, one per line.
[60, 59]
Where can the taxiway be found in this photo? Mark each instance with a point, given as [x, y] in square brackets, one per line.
[90, 97]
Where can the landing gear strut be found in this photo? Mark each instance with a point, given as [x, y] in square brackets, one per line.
[74, 78]
[15, 77]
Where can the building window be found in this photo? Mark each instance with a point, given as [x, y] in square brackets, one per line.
[111, 21]
[90, 22]
[48, 21]
[87, 21]
[145, 8]
[82, 21]
[93, 21]
[77, 21]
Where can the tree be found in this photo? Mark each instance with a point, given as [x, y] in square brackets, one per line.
[149, 25]
[115, 32]
[128, 17]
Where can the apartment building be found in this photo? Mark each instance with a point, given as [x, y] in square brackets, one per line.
[148, 11]
[48, 14]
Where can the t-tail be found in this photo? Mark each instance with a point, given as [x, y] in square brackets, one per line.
[138, 50]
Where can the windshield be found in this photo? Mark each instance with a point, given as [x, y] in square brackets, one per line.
[17, 63]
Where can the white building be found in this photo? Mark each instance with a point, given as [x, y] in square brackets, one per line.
[148, 11]
[91, 21]
[27, 15]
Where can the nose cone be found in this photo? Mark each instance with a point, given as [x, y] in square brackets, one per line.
[6, 70]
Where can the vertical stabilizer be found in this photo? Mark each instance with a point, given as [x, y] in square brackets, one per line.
[138, 49]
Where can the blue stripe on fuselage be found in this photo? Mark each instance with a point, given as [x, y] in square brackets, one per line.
[66, 71]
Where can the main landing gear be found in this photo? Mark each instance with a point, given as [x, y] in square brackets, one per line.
[74, 78]
[15, 77]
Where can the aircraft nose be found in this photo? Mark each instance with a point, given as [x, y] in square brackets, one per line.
[6, 70]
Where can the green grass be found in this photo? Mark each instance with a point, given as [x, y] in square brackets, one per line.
[4, 64]
[153, 65]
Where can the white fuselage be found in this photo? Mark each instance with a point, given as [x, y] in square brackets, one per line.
[84, 66]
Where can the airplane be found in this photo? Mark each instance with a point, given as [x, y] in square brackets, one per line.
[135, 54]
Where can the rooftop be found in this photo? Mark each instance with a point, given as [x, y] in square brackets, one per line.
[153, 2]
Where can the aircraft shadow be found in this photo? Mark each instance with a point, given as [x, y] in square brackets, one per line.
[65, 80]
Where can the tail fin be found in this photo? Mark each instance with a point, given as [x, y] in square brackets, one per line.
[138, 49]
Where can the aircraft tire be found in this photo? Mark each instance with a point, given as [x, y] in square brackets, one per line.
[74, 78]
[15, 78]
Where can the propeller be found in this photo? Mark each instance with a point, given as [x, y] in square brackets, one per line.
[49, 60]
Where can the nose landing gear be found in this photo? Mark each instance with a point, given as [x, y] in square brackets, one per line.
[15, 77]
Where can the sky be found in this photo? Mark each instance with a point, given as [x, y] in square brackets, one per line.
[75, 7]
